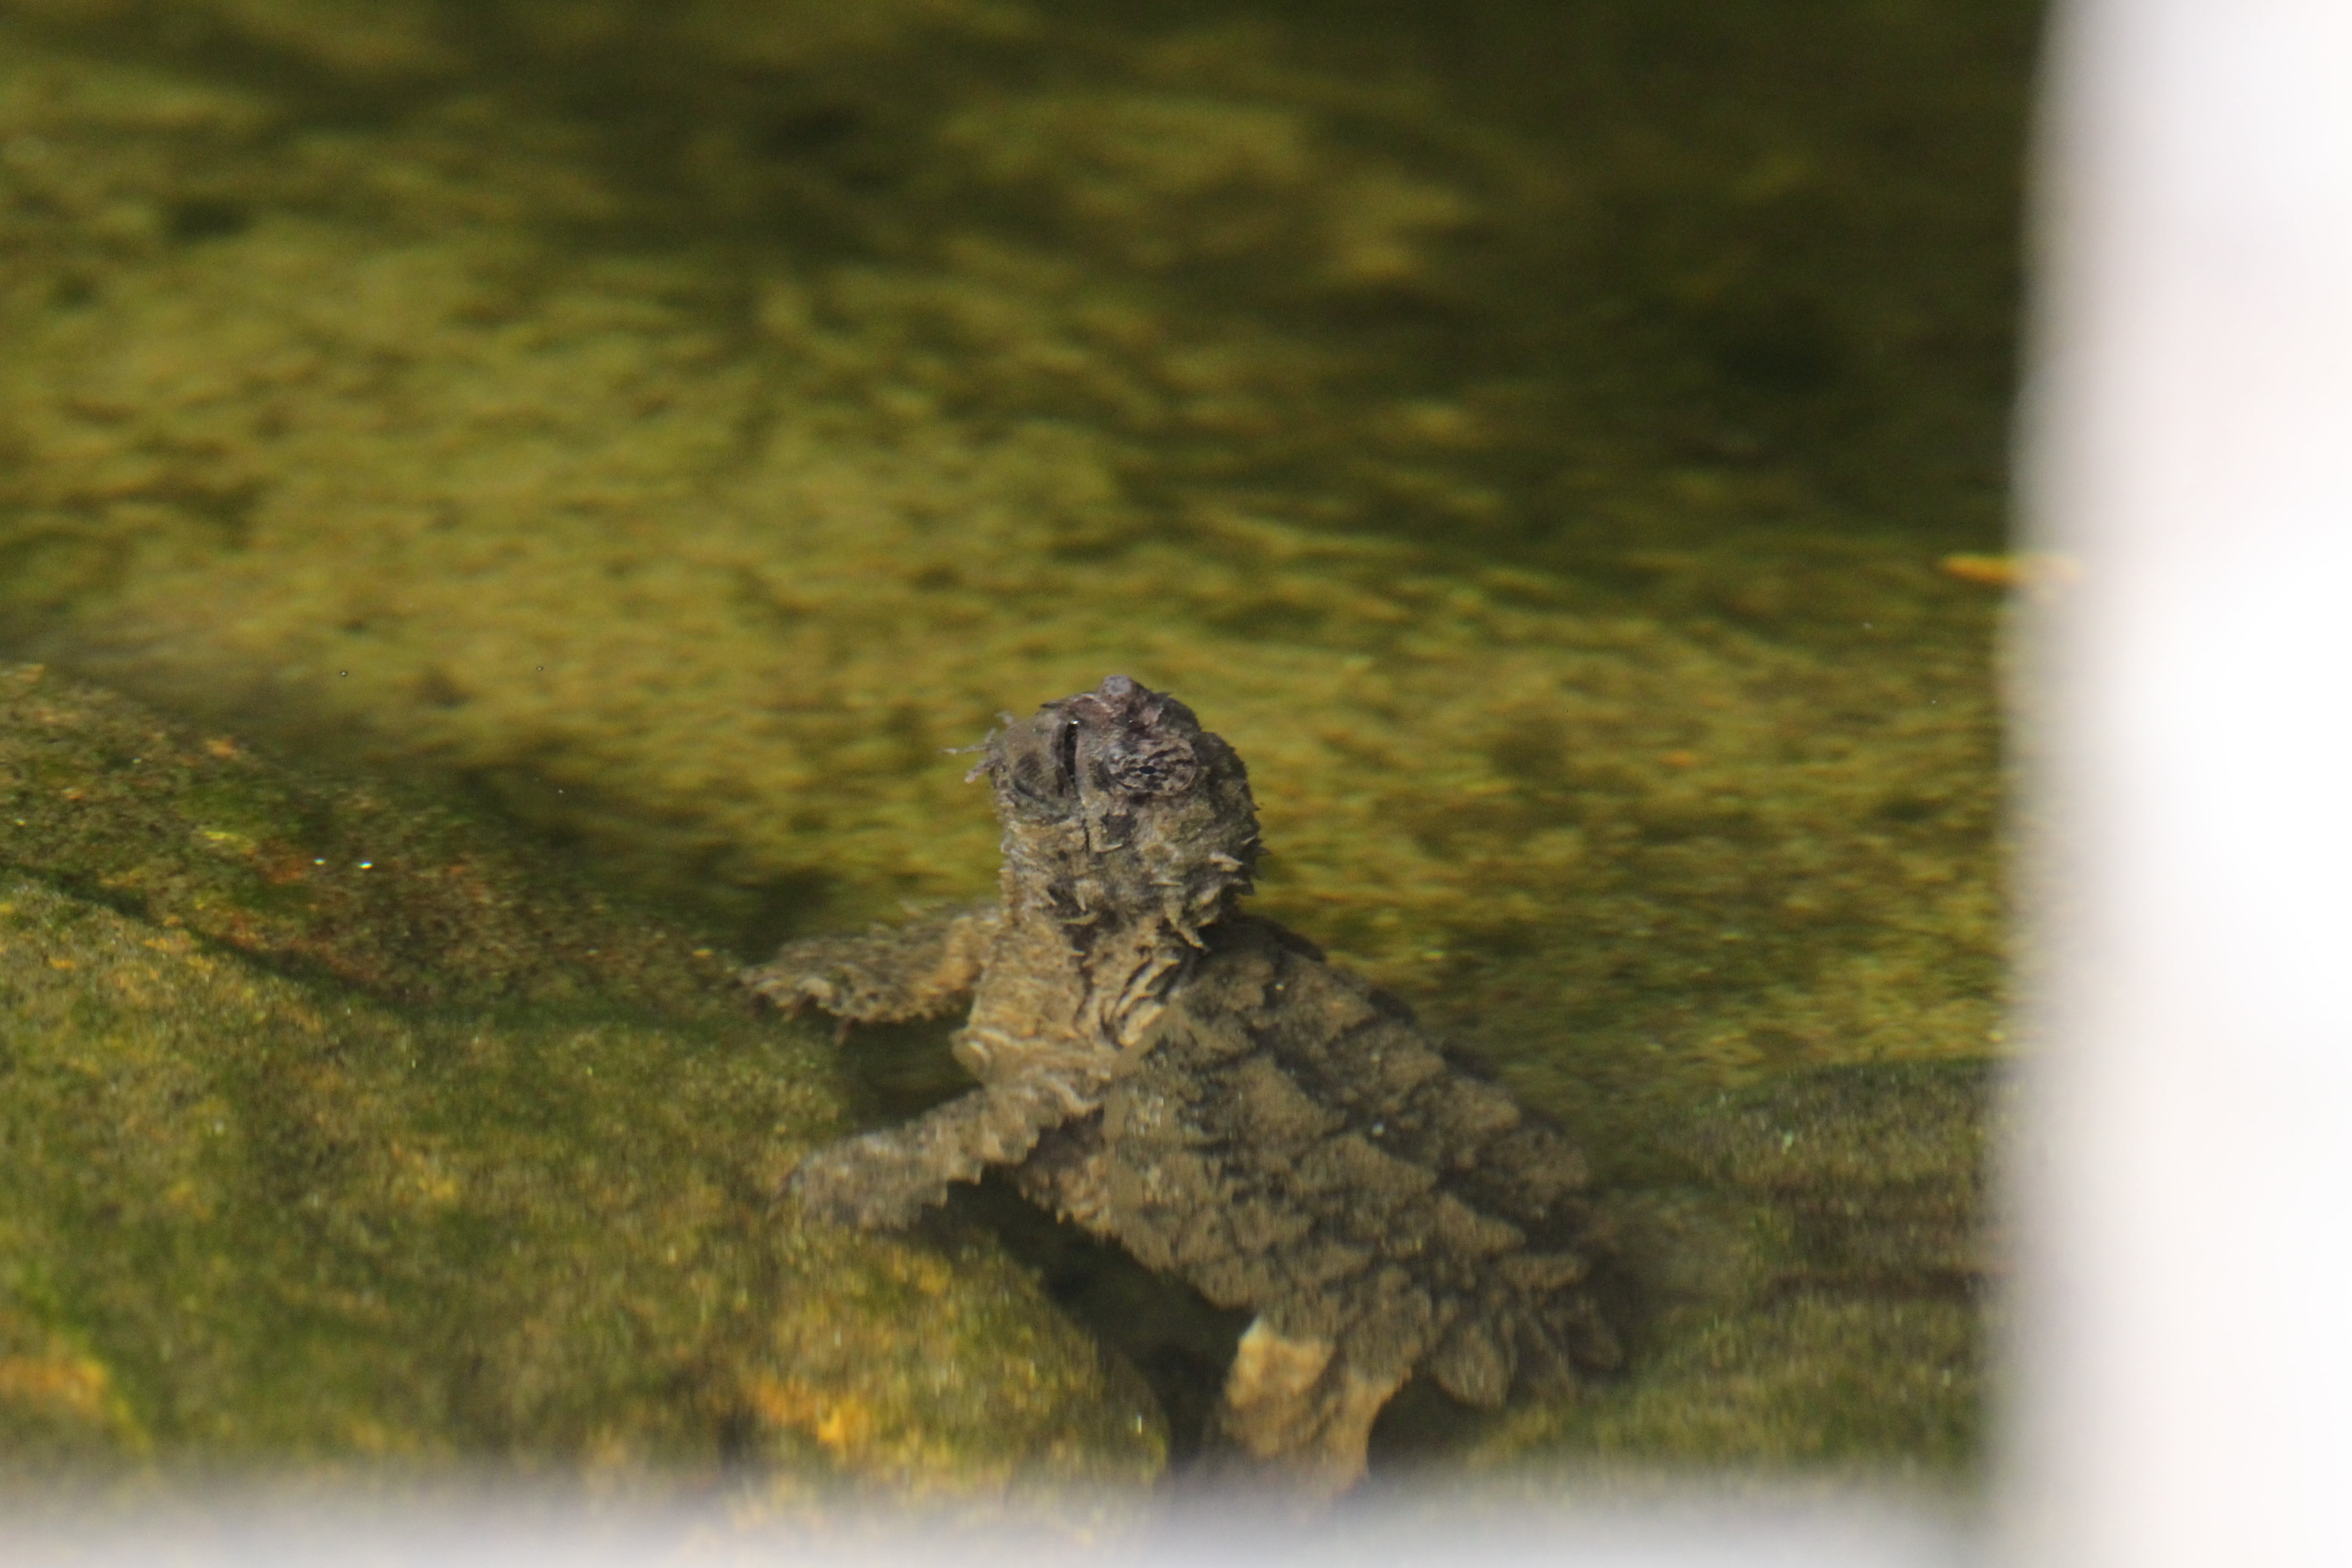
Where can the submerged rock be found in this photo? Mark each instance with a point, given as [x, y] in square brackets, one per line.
[1821, 1284]
[333, 1129]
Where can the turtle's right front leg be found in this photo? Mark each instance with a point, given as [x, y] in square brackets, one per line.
[884, 1180]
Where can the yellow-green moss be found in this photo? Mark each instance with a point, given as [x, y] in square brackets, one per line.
[676, 427]
[247, 1216]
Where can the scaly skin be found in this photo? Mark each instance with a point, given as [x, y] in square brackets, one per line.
[1201, 1087]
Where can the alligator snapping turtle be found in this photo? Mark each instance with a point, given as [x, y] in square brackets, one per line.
[1201, 1087]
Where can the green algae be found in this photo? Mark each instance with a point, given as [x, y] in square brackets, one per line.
[675, 444]
[1813, 1383]
[254, 1210]
[365, 883]
[1819, 1281]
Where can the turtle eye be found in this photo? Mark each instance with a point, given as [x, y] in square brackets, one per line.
[1161, 766]
[1036, 763]
[1032, 779]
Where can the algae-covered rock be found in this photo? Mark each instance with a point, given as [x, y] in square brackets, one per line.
[256, 1204]
[186, 831]
[1814, 1381]
[1872, 1178]
[1821, 1285]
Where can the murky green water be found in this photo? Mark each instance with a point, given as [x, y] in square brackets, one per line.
[1528, 431]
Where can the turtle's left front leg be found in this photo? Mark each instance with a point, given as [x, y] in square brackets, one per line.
[884, 976]
[883, 1180]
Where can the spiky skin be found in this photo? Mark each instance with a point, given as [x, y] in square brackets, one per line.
[1201, 1087]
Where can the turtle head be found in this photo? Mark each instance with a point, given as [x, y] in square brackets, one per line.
[1120, 793]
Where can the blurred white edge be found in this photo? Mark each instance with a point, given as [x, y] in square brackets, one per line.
[519, 1528]
[2180, 1376]
[2181, 1373]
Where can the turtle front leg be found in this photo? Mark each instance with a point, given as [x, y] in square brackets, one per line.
[886, 976]
[883, 1180]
